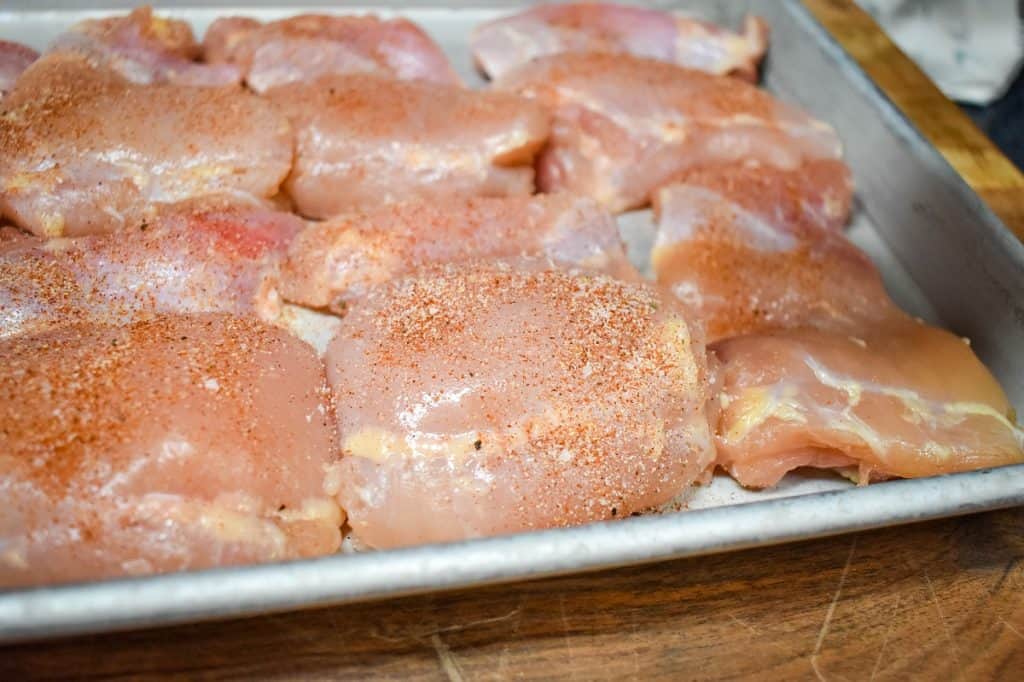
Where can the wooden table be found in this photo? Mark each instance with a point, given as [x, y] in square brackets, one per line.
[942, 600]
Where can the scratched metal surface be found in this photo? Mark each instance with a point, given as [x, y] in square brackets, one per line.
[943, 255]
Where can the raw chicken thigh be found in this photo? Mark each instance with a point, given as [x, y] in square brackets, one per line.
[816, 365]
[329, 264]
[14, 59]
[903, 399]
[177, 443]
[84, 151]
[366, 139]
[188, 259]
[805, 200]
[756, 249]
[488, 398]
[144, 48]
[308, 46]
[503, 44]
[623, 126]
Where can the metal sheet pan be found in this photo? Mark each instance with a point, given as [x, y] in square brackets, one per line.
[944, 257]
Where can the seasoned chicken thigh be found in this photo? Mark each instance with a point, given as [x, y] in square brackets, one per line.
[623, 126]
[752, 249]
[331, 263]
[805, 200]
[84, 151]
[187, 259]
[144, 48]
[14, 59]
[817, 366]
[177, 443]
[305, 47]
[503, 44]
[903, 399]
[488, 398]
[366, 139]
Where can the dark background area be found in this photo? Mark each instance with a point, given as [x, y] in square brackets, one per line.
[1003, 120]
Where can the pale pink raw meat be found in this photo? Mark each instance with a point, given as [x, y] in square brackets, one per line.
[817, 367]
[181, 442]
[365, 139]
[486, 398]
[329, 264]
[14, 59]
[308, 46]
[805, 200]
[752, 249]
[503, 44]
[187, 259]
[623, 126]
[84, 151]
[902, 399]
[144, 48]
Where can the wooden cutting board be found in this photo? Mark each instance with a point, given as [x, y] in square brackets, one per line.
[941, 600]
[967, 149]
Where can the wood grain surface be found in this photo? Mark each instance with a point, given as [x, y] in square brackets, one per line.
[941, 600]
[965, 146]
[935, 601]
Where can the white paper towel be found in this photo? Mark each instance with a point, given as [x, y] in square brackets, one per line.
[971, 48]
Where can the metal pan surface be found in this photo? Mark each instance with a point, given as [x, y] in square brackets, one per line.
[944, 256]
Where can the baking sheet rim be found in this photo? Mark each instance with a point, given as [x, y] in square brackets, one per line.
[226, 593]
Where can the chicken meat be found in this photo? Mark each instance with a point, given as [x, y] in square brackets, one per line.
[308, 46]
[899, 400]
[14, 59]
[817, 366]
[180, 442]
[623, 126]
[494, 397]
[187, 259]
[752, 249]
[367, 139]
[144, 48]
[331, 263]
[506, 43]
[83, 150]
